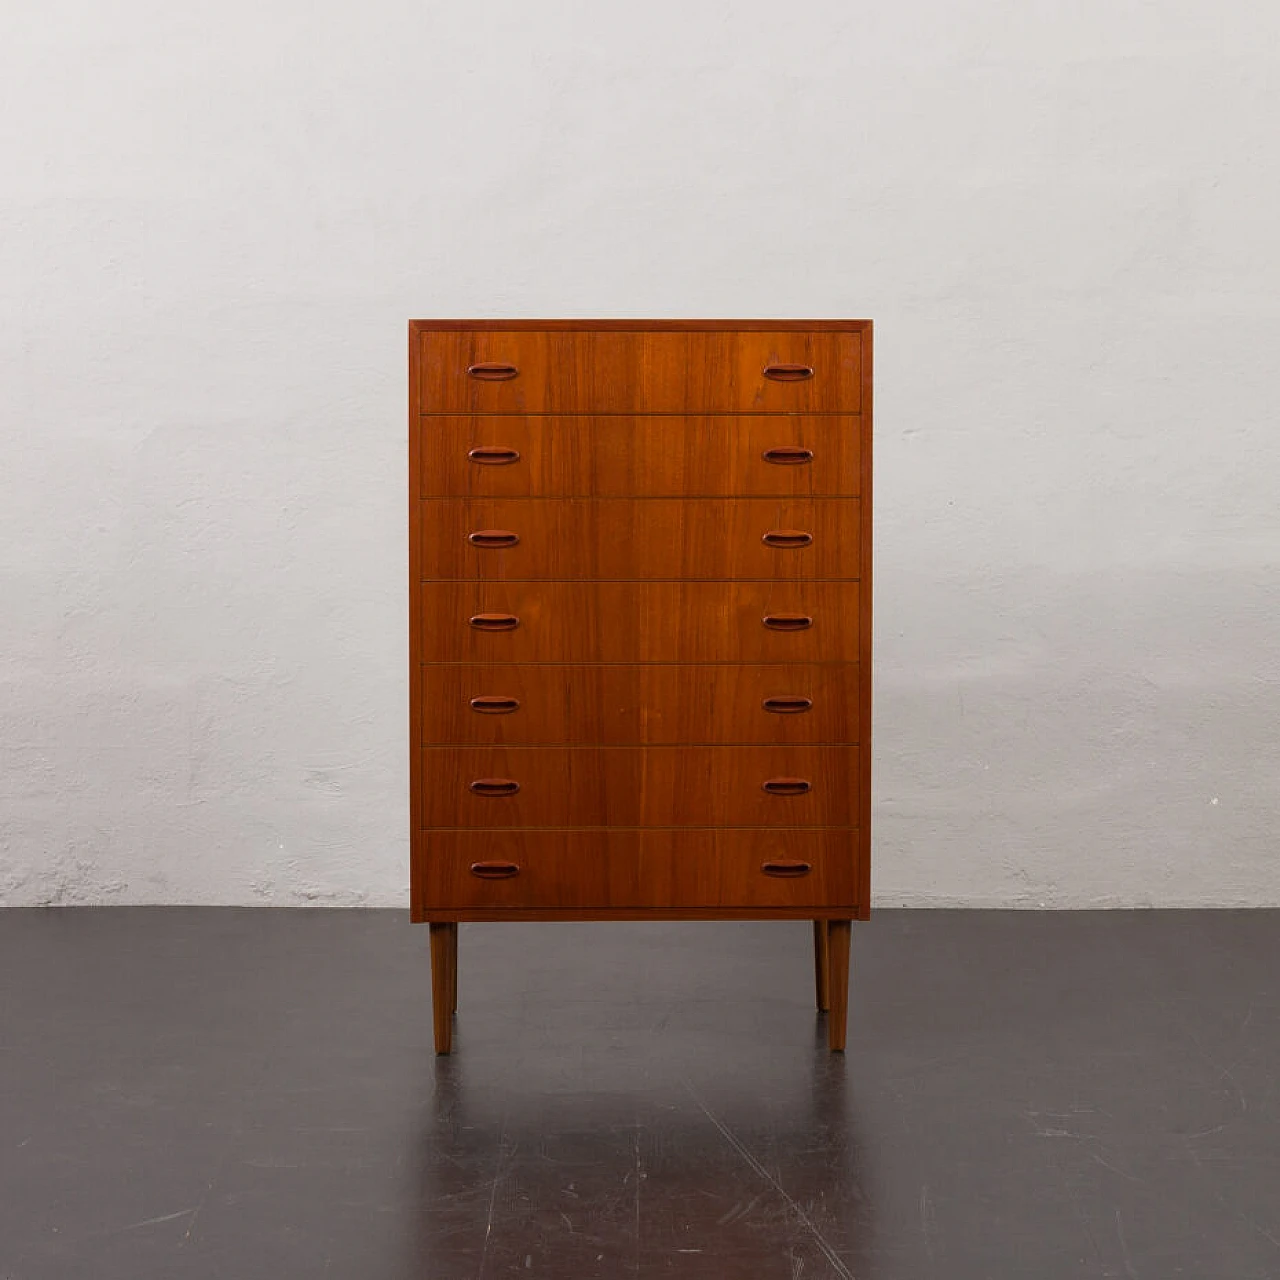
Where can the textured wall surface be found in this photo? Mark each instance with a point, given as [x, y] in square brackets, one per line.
[216, 220]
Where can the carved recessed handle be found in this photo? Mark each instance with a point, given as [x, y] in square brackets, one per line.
[492, 371]
[787, 704]
[495, 786]
[786, 868]
[494, 621]
[787, 786]
[495, 870]
[493, 455]
[787, 621]
[787, 538]
[788, 372]
[493, 538]
[788, 455]
[494, 704]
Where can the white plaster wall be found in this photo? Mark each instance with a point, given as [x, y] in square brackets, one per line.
[216, 219]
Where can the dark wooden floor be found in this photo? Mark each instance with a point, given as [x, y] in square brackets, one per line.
[243, 1094]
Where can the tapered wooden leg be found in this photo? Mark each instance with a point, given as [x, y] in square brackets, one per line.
[444, 938]
[838, 983]
[821, 963]
[453, 966]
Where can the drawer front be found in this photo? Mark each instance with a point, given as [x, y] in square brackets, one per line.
[748, 455]
[704, 371]
[497, 871]
[640, 787]
[620, 705]
[491, 371]
[638, 621]
[761, 371]
[519, 870]
[586, 538]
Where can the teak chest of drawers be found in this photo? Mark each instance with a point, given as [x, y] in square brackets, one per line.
[640, 627]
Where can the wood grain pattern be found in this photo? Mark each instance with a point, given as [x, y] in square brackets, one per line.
[416, 894]
[638, 538]
[864, 621]
[654, 870]
[637, 704]
[778, 911]
[444, 971]
[593, 371]
[708, 370]
[585, 455]
[638, 621]
[821, 966]
[837, 983]
[557, 370]
[640, 786]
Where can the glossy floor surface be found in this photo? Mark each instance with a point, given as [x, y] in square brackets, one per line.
[236, 1093]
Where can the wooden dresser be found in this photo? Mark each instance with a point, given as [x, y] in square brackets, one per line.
[640, 627]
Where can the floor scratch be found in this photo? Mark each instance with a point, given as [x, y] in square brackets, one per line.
[493, 1195]
[1224, 1073]
[639, 1177]
[195, 1213]
[1204, 1133]
[1107, 1165]
[1124, 1249]
[1082, 1214]
[1244, 1217]
[164, 1217]
[224, 1159]
[926, 1220]
[738, 1211]
[725, 1132]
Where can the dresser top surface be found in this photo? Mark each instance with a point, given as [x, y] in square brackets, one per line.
[623, 325]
